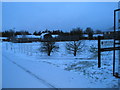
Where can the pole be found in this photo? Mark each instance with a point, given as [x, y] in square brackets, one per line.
[114, 42]
[99, 52]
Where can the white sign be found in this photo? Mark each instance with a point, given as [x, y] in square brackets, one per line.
[106, 43]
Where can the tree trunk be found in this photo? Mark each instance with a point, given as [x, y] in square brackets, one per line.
[49, 53]
[74, 53]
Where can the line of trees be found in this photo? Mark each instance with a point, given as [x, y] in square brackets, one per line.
[12, 33]
[74, 31]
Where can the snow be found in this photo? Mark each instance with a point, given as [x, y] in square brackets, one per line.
[27, 36]
[51, 74]
[3, 37]
[85, 35]
[96, 35]
[61, 69]
[42, 35]
[15, 77]
[55, 36]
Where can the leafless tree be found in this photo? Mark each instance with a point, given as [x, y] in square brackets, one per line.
[48, 47]
[74, 47]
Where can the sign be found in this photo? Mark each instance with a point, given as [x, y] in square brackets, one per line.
[106, 43]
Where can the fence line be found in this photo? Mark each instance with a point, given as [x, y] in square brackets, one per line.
[22, 48]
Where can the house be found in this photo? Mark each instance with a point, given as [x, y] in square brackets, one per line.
[25, 38]
[48, 36]
[94, 35]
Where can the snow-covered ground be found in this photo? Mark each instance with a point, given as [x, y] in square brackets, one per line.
[60, 70]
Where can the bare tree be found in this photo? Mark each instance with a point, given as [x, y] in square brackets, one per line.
[48, 47]
[74, 47]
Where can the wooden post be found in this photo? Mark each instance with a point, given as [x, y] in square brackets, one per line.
[99, 52]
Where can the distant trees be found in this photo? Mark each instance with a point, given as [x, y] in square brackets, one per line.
[11, 33]
[98, 32]
[37, 33]
[90, 32]
[48, 47]
[74, 47]
[73, 35]
[76, 31]
[23, 32]
[59, 32]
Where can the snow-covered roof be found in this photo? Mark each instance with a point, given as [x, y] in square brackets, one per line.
[3, 37]
[85, 35]
[55, 36]
[42, 35]
[96, 35]
[27, 36]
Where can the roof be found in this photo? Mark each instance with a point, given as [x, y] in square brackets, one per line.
[42, 35]
[94, 35]
[55, 36]
[3, 37]
[27, 36]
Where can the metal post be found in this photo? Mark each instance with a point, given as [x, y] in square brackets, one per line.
[114, 42]
[99, 52]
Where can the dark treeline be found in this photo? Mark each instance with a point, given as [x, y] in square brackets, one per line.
[11, 33]
[75, 32]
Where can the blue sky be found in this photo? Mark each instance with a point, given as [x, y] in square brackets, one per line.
[39, 16]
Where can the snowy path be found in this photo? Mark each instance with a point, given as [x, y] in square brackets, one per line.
[16, 76]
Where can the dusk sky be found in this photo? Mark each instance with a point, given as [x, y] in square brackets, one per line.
[38, 16]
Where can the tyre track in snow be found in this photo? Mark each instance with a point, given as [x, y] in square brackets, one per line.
[32, 74]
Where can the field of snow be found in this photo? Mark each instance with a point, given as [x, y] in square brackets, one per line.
[61, 69]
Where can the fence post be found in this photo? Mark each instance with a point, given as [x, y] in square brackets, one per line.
[99, 52]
